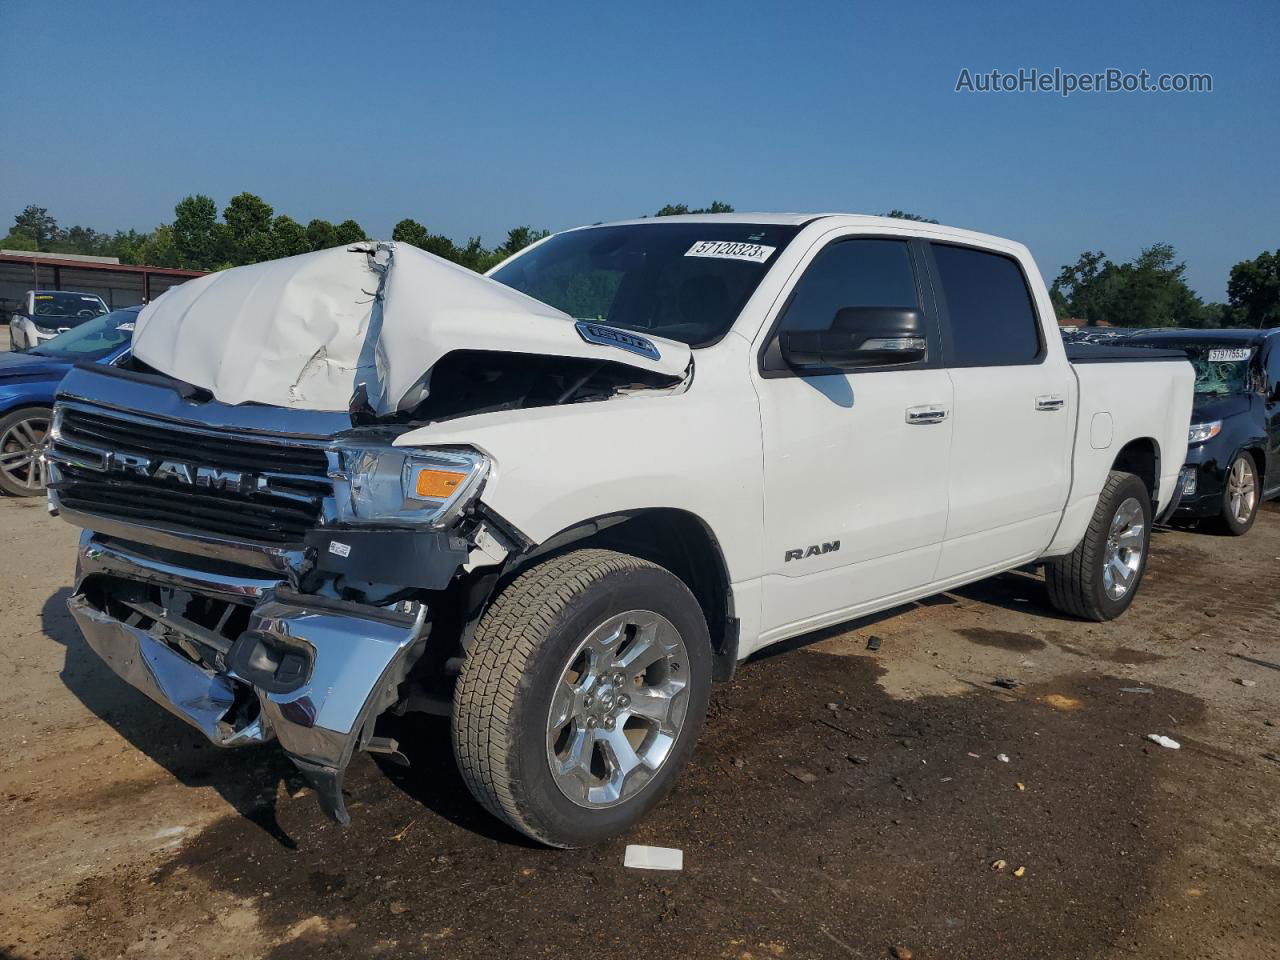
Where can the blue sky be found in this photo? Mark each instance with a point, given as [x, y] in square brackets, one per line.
[474, 118]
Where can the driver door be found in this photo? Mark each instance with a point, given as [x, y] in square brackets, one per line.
[856, 461]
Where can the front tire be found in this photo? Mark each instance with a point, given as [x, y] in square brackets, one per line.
[582, 696]
[1099, 578]
[1240, 495]
[22, 439]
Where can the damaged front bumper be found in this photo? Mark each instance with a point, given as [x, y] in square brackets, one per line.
[311, 672]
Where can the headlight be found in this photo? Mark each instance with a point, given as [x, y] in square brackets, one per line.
[406, 484]
[1200, 432]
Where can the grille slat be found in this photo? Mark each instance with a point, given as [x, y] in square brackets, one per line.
[260, 517]
[229, 452]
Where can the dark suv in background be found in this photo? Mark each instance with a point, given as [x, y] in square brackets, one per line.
[1233, 462]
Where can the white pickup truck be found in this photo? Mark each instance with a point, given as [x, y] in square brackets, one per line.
[556, 503]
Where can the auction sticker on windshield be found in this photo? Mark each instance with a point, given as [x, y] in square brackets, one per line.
[730, 250]
[1233, 353]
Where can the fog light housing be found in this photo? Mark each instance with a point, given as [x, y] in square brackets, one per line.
[1188, 481]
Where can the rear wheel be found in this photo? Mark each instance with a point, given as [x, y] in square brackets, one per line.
[1098, 579]
[582, 695]
[1240, 495]
[22, 440]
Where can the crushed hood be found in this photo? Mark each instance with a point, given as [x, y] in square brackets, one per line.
[306, 331]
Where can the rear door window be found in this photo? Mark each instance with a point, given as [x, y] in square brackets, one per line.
[991, 318]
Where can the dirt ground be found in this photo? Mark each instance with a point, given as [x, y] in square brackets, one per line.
[842, 803]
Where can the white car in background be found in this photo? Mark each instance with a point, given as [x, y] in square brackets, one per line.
[46, 313]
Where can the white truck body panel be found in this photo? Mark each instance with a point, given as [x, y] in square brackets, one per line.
[770, 465]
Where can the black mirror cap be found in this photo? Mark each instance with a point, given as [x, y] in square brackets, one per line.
[860, 337]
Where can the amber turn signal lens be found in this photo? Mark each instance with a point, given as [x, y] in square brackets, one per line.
[439, 484]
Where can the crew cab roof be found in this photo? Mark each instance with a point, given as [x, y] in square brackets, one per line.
[868, 222]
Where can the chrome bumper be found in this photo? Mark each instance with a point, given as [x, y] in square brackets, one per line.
[350, 661]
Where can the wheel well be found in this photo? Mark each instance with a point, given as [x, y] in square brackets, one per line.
[1259, 455]
[1141, 458]
[678, 541]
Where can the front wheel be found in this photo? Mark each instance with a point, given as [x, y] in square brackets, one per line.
[1098, 579]
[23, 434]
[582, 695]
[1240, 495]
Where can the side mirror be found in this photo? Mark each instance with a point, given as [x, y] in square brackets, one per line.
[859, 337]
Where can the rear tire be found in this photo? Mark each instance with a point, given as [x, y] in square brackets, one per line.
[1099, 578]
[1241, 495]
[549, 722]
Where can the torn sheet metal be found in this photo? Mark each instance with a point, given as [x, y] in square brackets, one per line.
[305, 331]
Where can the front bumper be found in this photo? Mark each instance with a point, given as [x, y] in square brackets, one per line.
[1203, 480]
[310, 672]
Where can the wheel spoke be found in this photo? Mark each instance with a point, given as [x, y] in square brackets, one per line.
[14, 457]
[563, 704]
[654, 703]
[1131, 539]
[622, 758]
[643, 652]
[576, 762]
[1121, 570]
[27, 430]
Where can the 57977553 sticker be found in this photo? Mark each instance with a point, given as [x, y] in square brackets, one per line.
[731, 250]
[1227, 354]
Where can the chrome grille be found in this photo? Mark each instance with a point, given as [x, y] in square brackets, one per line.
[149, 472]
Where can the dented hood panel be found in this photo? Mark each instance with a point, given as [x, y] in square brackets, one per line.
[305, 331]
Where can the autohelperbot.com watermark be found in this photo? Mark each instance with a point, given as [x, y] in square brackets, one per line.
[1065, 82]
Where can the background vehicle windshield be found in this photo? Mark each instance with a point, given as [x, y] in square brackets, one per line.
[63, 305]
[685, 281]
[1220, 368]
[93, 339]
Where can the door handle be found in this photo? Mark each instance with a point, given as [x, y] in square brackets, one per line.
[1050, 401]
[926, 414]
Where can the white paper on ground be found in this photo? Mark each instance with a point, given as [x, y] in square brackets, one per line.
[303, 332]
[1164, 741]
[653, 858]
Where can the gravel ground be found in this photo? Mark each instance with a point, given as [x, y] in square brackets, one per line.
[842, 803]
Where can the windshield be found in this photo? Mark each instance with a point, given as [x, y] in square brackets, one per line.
[61, 305]
[1221, 368]
[684, 281]
[93, 339]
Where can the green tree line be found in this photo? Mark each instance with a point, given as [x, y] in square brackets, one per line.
[1148, 291]
[250, 231]
[1151, 291]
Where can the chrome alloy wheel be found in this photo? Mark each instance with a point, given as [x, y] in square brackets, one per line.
[22, 453]
[1242, 490]
[1125, 542]
[618, 709]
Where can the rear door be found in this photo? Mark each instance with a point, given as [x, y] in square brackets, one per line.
[855, 462]
[1014, 412]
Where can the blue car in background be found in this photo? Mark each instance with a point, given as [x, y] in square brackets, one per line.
[28, 381]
